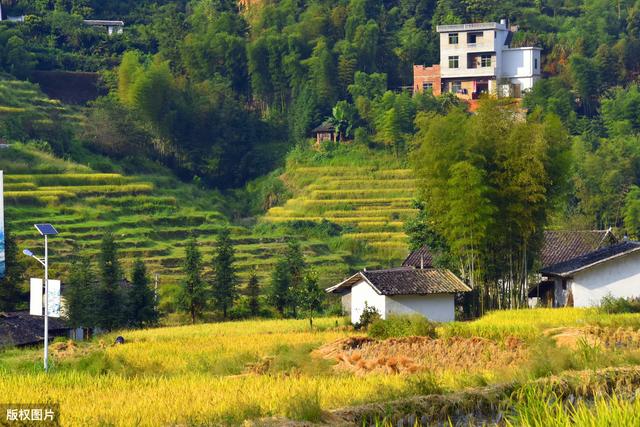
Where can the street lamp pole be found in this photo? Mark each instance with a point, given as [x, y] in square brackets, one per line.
[45, 230]
[46, 303]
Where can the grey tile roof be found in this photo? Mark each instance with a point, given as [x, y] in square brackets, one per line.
[20, 328]
[560, 246]
[567, 268]
[421, 257]
[324, 127]
[407, 281]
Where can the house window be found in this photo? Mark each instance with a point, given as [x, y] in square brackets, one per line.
[485, 60]
[453, 61]
[427, 86]
[535, 63]
[453, 38]
[456, 86]
[475, 37]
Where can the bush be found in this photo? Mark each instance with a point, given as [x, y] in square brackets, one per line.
[368, 316]
[612, 305]
[402, 326]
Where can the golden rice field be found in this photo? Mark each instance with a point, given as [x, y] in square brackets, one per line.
[195, 375]
[226, 373]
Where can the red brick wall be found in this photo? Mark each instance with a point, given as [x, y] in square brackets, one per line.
[422, 74]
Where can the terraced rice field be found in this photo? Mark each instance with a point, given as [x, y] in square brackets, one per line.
[21, 99]
[151, 217]
[370, 203]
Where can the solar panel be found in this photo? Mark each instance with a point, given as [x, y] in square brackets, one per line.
[46, 229]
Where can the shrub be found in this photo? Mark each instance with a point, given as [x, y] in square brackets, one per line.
[402, 326]
[612, 305]
[368, 316]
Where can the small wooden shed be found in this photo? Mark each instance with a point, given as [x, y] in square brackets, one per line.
[325, 132]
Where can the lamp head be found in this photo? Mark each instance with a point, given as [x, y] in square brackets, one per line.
[27, 252]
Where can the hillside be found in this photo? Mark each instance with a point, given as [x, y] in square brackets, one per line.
[367, 193]
[152, 215]
[346, 217]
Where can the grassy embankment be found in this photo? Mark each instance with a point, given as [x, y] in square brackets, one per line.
[229, 372]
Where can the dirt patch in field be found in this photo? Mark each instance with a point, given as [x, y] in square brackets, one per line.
[624, 338]
[362, 355]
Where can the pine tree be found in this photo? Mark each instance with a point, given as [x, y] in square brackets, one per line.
[110, 299]
[142, 307]
[225, 282]
[11, 296]
[193, 298]
[280, 289]
[296, 266]
[80, 293]
[253, 292]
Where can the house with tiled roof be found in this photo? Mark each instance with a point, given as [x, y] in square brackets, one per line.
[404, 290]
[19, 328]
[562, 247]
[583, 281]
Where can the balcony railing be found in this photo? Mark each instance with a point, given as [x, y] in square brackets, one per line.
[466, 27]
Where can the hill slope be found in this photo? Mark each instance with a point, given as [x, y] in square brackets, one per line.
[369, 201]
[347, 217]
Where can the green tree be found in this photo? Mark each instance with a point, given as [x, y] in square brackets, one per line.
[80, 293]
[632, 212]
[586, 81]
[296, 264]
[12, 296]
[621, 111]
[225, 282]
[322, 73]
[128, 72]
[142, 305]
[253, 292]
[489, 182]
[193, 296]
[310, 297]
[280, 293]
[110, 298]
[342, 119]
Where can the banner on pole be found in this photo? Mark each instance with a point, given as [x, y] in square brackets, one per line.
[37, 292]
[36, 307]
[54, 298]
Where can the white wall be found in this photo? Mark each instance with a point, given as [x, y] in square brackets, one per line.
[492, 40]
[437, 307]
[362, 292]
[619, 277]
[520, 62]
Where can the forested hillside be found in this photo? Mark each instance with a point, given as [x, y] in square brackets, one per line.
[222, 96]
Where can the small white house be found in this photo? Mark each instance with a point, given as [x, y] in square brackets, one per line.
[583, 281]
[113, 27]
[429, 292]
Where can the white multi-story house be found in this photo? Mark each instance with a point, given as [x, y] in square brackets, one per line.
[477, 58]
